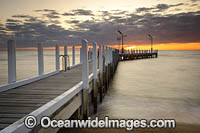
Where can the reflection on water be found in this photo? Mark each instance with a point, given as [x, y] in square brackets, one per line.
[165, 87]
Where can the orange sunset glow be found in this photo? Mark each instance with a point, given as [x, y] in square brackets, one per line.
[170, 46]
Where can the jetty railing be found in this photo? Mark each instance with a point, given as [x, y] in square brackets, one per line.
[138, 54]
[76, 99]
[11, 50]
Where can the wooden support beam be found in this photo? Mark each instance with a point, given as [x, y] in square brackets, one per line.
[73, 55]
[57, 58]
[11, 61]
[40, 59]
[81, 55]
[66, 53]
[95, 89]
[85, 74]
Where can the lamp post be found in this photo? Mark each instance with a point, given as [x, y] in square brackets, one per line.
[122, 40]
[151, 38]
[119, 39]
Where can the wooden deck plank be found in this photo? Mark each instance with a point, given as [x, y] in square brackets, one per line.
[20, 101]
[16, 111]
[8, 120]
[14, 108]
[25, 96]
[16, 104]
[6, 115]
[37, 91]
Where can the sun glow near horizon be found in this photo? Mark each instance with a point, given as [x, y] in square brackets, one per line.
[164, 46]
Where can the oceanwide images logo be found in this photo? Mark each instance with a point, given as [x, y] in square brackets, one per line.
[129, 124]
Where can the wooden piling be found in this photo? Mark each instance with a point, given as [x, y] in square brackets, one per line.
[73, 55]
[85, 74]
[11, 61]
[57, 58]
[66, 54]
[40, 60]
[95, 89]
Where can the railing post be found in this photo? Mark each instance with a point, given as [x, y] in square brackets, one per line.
[66, 53]
[100, 59]
[90, 54]
[104, 80]
[40, 59]
[111, 63]
[11, 61]
[81, 55]
[73, 55]
[57, 58]
[107, 55]
[111, 58]
[94, 58]
[103, 50]
[95, 89]
[85, 74]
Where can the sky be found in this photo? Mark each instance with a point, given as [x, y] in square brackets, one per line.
[173, 24]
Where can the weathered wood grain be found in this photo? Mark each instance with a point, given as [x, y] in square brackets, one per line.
[20, 101]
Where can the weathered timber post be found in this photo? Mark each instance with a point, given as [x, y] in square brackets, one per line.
[102, 89]
[100, 70]
[95, 89]
[90, 54]
[40, 60]
[57, 58]
[111, 63]
[66, 54]
[100, 59]
[73, 55]
[11, 61]
[85, 74]
[107, 69]
[81, 55]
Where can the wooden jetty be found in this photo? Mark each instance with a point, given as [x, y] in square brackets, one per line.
[138, 54]
[73, 93]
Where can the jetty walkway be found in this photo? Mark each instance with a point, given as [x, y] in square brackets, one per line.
[70, 93]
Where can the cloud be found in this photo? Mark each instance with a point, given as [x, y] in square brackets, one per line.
[21, 16]
[103, 26]
[161, 7]
[12, 20]
[105, 13]
[68, 14]
[51, 14]
[194, 1]
[2, 29]
[179, 4]
[3, 36]
[144, 9]
[45, 10]
[79, 12]
[194, 5]
[83, 12]
[157, 8]
[172, 28]
[72, 21]
[32, 30]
